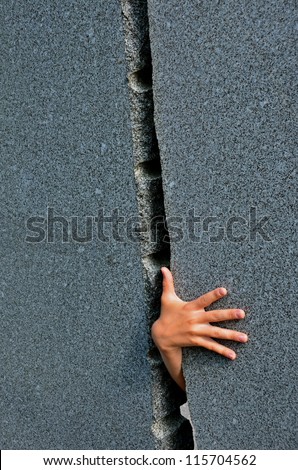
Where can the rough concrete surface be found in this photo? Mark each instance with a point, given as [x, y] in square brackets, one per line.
[74, 372]
[223, 80]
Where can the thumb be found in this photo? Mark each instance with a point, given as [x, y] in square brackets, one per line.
[167, 282]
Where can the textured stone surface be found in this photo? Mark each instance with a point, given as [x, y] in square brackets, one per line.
[223, 75]
[73, 328]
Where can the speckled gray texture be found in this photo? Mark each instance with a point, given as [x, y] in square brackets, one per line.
[74, 372]
[223, 76]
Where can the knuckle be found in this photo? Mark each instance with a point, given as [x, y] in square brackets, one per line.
[214, 317]
[230, 334]
[195, 341]
[213, 347]
[228, 314]
[226, 334]
[224, 351]
[217, 333]
[192, 321]
[192, 330]
[235, 336]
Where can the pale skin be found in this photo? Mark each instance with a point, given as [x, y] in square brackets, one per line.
[184, 324]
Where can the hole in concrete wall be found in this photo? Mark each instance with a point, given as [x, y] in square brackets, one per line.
[141, 80]
[151, 168]
[159, 259]
[163, 256]
[154, 142]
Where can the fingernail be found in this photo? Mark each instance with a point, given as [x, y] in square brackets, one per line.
[242, 337]
[232, 355]
[222, 291]
[240, 314]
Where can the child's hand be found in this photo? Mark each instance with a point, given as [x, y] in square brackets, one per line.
[188, 324]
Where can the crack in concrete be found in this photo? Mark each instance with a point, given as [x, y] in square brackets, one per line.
[170, 429]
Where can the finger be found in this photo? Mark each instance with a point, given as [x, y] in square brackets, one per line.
[221, 315]
[167, 282]
[223, 333]
[212, 345]
[207, 299]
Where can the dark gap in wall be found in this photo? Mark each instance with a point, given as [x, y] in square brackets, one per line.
[144, 75]
[141, 80]
[151, 168]
[154, 141]
[160, 258]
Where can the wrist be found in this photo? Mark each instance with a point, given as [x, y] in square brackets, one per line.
[171, 355]
[172, 359]
[160, 339]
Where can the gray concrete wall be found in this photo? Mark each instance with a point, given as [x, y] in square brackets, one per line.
[73, 333]
[78, 369]
[223, 80]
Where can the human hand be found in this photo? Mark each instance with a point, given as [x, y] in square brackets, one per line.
[188, 324]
